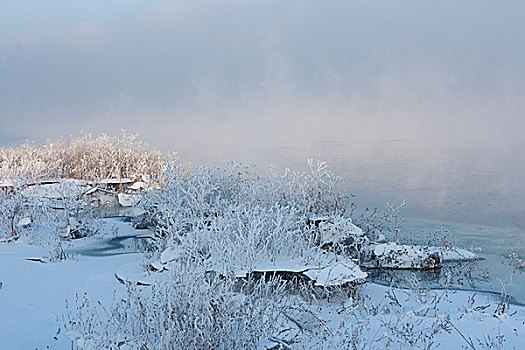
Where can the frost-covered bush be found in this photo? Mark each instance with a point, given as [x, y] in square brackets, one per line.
[48, 215]
[84, 157]
[212, 225]
[69, 212]
[398, 321]
[18, 213]
[10, 208]
[204, 190]
[219, 231]
[196, 195]
[62, 214]
[191, 310]
[236, 217]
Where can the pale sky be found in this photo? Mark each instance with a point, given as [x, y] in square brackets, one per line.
[182, 73]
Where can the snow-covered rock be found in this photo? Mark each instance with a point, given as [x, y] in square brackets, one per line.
[135, 211]
[167, 256]
[158, 266]
[336, 230]
[381, 238]
[127, 200]
[337, 274]
[134, 273]
[401, 256]
[326, 270]
[454, 254]
[280, 264]
[170, 254]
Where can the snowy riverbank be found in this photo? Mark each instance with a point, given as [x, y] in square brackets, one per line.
[33, 296]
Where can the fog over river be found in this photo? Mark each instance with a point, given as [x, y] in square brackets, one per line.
[419, 101]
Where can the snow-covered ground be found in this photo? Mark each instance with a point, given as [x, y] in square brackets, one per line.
[208, 280]
[33, 295]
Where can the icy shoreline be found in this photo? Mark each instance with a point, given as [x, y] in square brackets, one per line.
[237, 260]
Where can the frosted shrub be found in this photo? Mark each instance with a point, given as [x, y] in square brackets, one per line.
[7, 219]
[317, 192]
[192, 197]
[193, 310]
[18, 212]
[47, 218]
[219, 222]
[53, 245]
[70, 214]
[236, 217]
[243, 236]
[85, 157]
[9, 208]
[515, 261]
